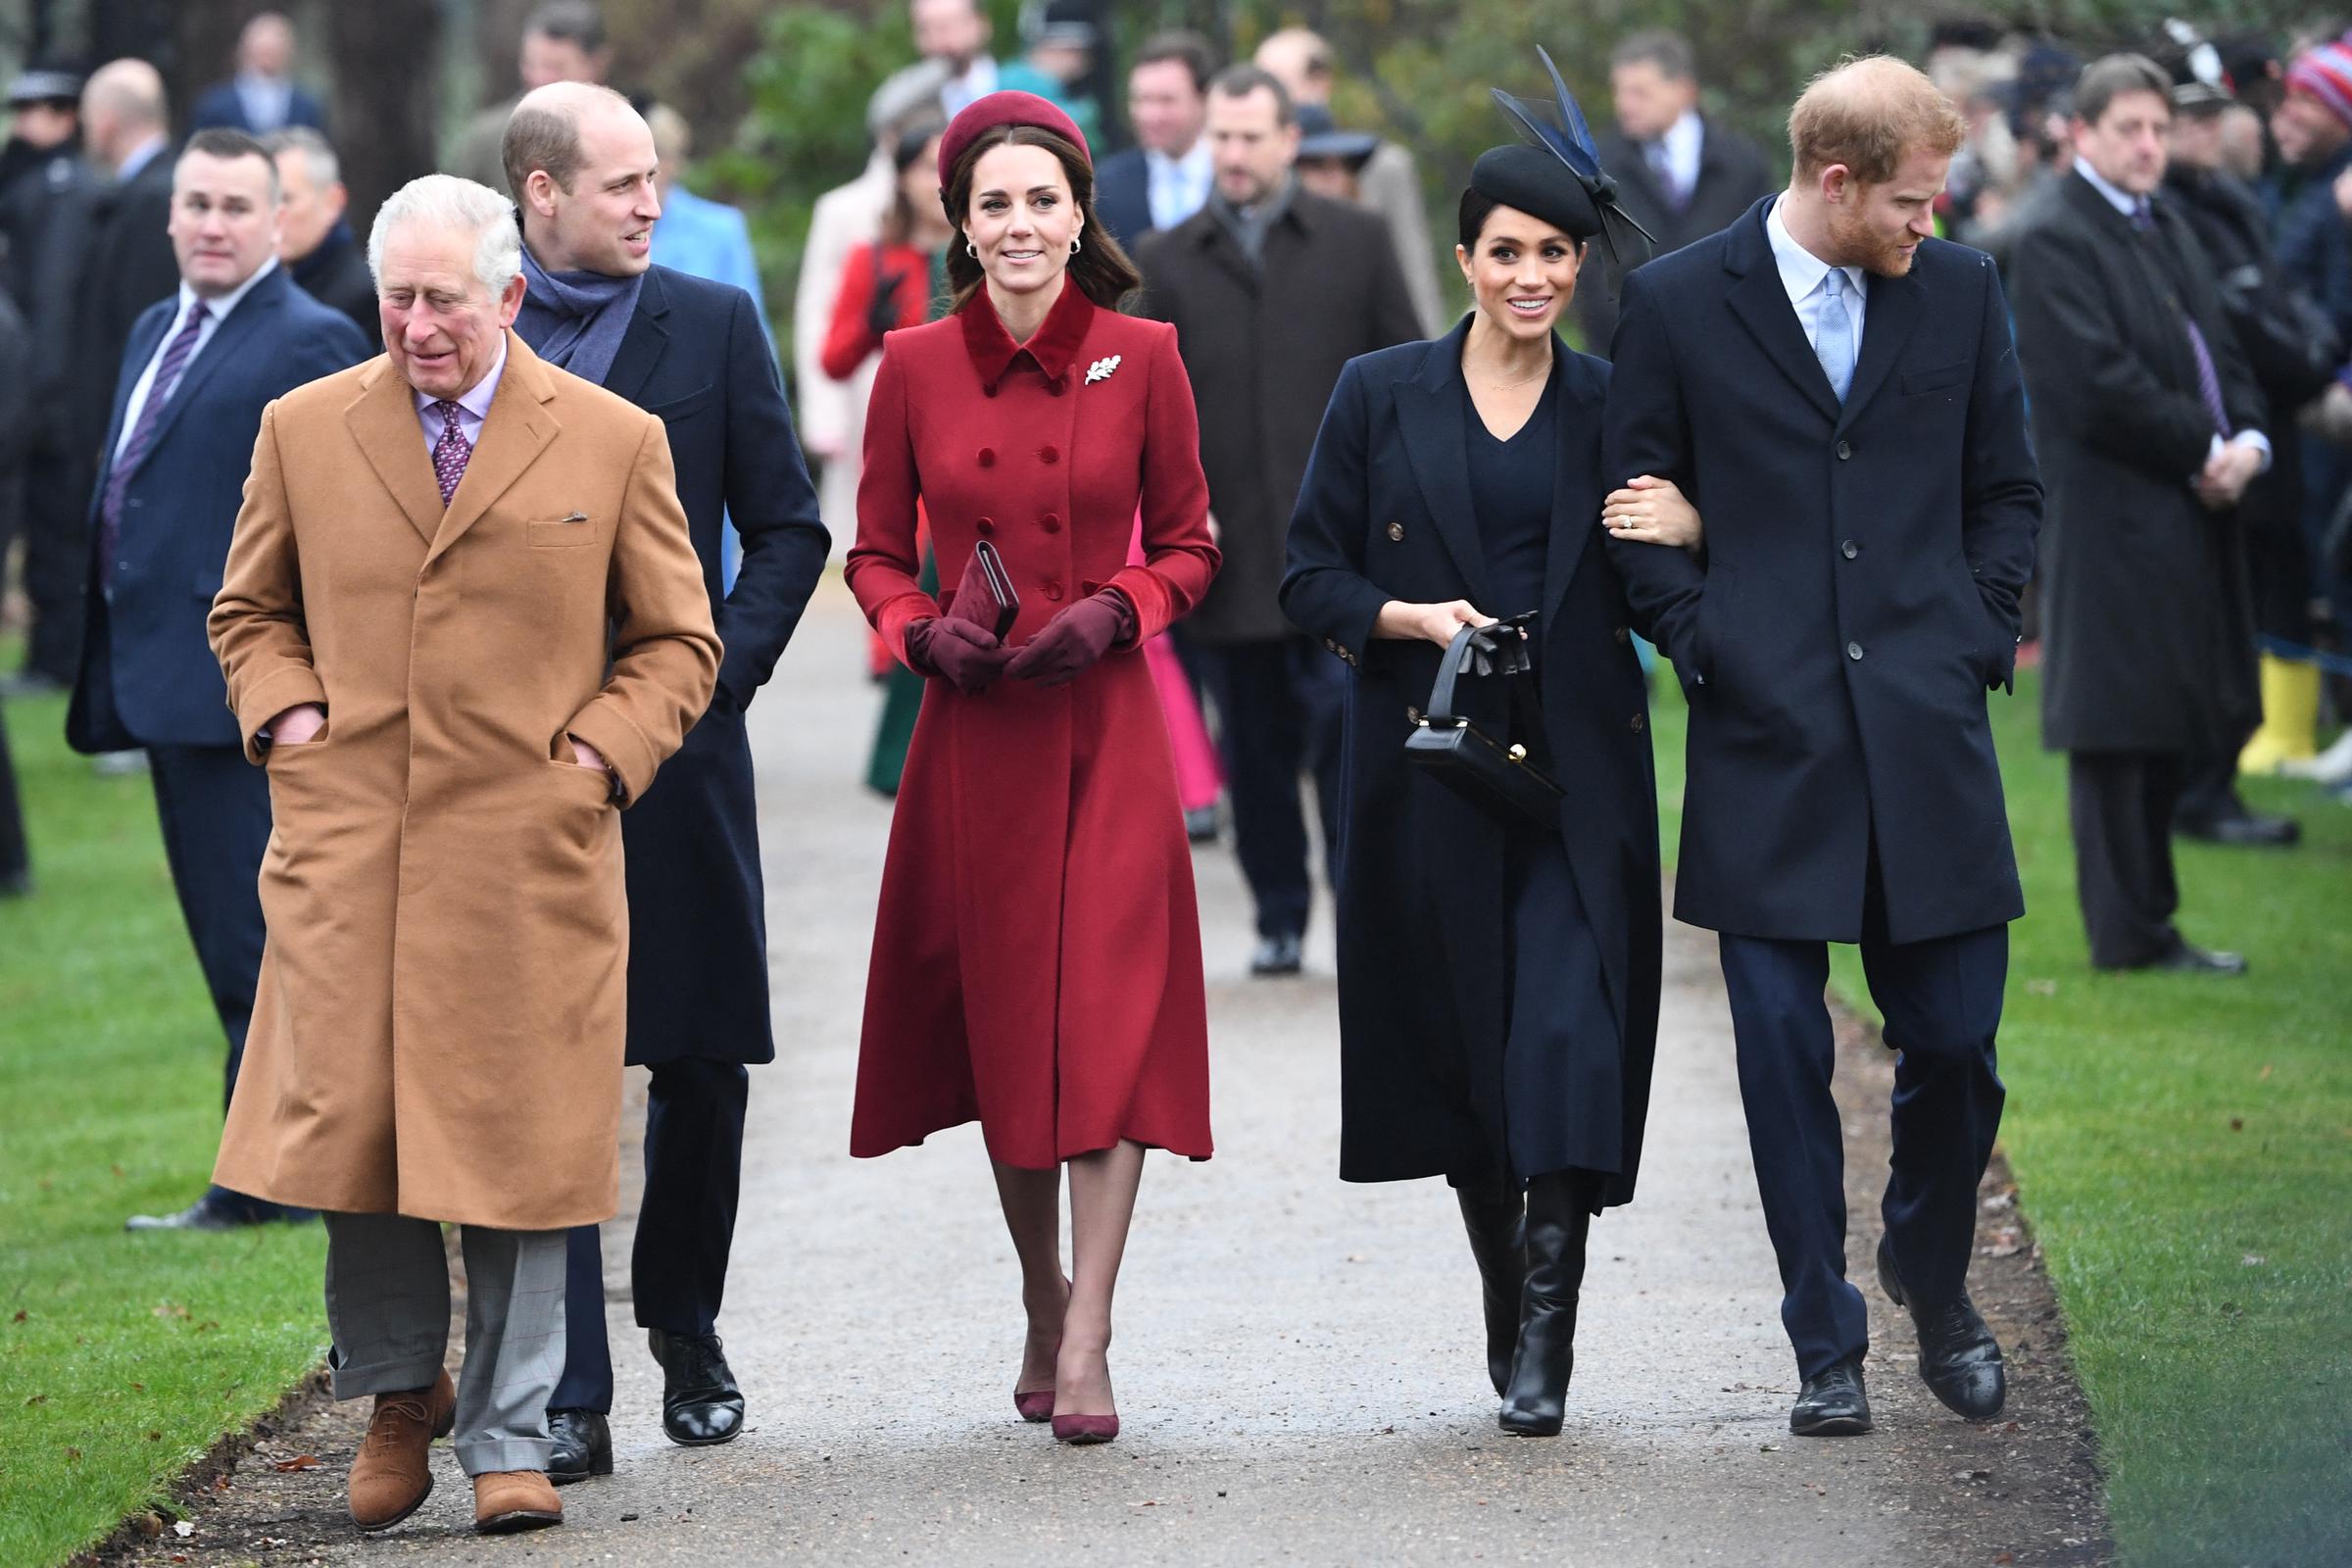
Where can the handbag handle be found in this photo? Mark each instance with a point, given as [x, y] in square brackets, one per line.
[1474, 644]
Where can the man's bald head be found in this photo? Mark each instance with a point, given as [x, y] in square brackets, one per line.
[123, 105]
[1301, 61]
[1866, 115]
[581, 163]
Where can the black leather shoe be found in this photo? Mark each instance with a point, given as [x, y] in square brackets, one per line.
[583, 1446]
[1959, 1360]
[217, 1210]
[2188, 959]
[1201, 825]
[700, 1401]
[1498, 1227]
[1832, 1404]
[1276, 954]
[1535, 1402]
[2242, 831]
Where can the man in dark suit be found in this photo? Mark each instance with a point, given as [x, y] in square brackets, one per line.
[1836, 391]
[2150, 425]
[1679, 173]
[198, 369]
[261, 98]
[1271, 291]
[1165, 178]
[313, 238]
[582, 165]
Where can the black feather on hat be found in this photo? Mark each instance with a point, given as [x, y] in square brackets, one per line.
[1558, 177]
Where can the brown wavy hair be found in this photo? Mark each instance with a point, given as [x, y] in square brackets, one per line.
[1100, 269]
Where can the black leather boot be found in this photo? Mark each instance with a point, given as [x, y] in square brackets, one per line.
[700, 1401]
[1537, 1401]
[1498, 1227]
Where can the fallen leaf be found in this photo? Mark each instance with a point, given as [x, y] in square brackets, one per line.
[2264, 1074]
[2000, 1557]
[183, 1530]
[117, 1170]
[39, 1399]
[2237, 1124]
[155, 1437]
[170, 1309]
[73, 1456]
[305, 1461]
[21, 1315]
[2041, 988]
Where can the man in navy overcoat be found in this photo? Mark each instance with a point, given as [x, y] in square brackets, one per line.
[199, 369]
[692, 352]
[1837, 393]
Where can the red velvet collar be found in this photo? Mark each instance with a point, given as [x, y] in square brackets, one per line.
[1052, 346]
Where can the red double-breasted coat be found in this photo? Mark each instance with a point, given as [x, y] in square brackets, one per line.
[1037, 955]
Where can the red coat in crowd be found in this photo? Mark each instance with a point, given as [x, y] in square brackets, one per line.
[1037, 955]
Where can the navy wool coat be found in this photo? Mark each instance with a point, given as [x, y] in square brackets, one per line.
[694, 355]
[1858, 592]
[1385, 514]
[148, 676]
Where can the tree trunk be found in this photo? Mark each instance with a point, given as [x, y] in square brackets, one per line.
[386, 55]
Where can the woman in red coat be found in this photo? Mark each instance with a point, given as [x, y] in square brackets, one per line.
[1037, 956]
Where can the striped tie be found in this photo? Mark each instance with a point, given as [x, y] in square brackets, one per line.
[142, 436]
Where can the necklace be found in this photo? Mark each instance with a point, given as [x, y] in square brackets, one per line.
[1495, 381]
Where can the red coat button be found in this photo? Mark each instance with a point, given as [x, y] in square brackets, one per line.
[985, 526]
[1054, 592]
[1051, 522]
[988, 457]
[1050, 455]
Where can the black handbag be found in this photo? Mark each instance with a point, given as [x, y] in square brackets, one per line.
[1498, 775]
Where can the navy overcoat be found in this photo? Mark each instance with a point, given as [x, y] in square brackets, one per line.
[1385, 514]
[1858, 592]
[695, 356]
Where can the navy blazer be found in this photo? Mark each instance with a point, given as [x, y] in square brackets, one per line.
[1385, 514]
[695, 355]
[1858, 593]
[1123, 197]
[219, 106]
[148, 673]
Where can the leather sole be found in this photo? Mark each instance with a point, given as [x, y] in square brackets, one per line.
[566, 1477]
[1530, 1429]
[386, 1523]
[517, 1520]
[1834, 1425]
[700, 1442]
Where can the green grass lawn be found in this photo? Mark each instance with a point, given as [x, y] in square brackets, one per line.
[2183, 1145]
[122, 1357]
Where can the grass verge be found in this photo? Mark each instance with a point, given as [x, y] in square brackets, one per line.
[123, 1357]
[2184, 1146]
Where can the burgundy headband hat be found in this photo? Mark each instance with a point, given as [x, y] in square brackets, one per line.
[1006, 109]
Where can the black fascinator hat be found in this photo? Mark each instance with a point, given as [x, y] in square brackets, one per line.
[1558, 178]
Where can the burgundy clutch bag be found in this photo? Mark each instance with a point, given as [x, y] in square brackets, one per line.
[985, 596]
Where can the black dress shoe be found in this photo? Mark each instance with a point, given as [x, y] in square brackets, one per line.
[2188, 959]
[218, 1210]
[1535, 1404]
[2242, 831]
[1832, 1404]
[700, 1401]
[1201, 825]
[583, 1446]
[1497, 1223]
[1276, 954]
[1959, 1360]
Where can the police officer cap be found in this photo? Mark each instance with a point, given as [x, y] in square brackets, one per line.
[1534, 181]
[43, 87]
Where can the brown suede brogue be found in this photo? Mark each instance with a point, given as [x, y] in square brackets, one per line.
[392, 1474]
[508, 1500]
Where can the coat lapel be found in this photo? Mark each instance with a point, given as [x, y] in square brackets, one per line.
[1575, 498]
[643, 344]
[383, 421]
[1436, 445]
[1894, 308]
[516, 430]
[226, 340]
[1761, 303]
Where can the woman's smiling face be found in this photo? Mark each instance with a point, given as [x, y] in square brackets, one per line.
[1522, 273]
[1022, 217]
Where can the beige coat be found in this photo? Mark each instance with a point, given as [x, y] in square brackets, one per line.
[442, 1007]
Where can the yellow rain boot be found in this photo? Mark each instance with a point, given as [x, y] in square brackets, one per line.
[2291, 716]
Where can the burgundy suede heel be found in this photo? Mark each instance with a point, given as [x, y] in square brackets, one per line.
[1037, 1405]
[1080, 1430]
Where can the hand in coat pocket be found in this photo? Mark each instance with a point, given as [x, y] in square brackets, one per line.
[298, 726]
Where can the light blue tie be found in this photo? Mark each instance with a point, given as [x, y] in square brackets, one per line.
[1834, 332]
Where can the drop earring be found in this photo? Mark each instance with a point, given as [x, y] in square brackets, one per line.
[971, 250]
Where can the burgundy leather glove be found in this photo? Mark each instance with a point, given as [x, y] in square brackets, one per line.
[1074, 640]
[956, 651]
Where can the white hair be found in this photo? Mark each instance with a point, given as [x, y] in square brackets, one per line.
[451, 203]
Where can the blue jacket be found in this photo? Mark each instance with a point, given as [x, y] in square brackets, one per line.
[1123, 196]
[219, 106]
[708, 239]
[1859, 591]
[148, 675]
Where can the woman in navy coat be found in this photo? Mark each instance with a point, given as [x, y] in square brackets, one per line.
[1499, 984]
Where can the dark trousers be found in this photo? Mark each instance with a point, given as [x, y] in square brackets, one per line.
[685, 1225]
[1943, 1002]
[1278, 715]
[14, 860]
[57, 558]
[213, 808]
[2121, 807]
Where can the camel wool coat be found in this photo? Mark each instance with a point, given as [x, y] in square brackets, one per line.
[443, 1001]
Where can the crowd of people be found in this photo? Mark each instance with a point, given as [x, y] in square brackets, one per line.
[402, 563]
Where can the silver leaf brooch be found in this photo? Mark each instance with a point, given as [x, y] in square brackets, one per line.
[1100, 370]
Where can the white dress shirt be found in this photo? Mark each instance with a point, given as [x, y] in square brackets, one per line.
[1801, 272]
[473, 406]
[141, 155]
[215, 313]
[2124, 202]
[1685, 140]
[962, 92]
[1179, 186]
[267, 101]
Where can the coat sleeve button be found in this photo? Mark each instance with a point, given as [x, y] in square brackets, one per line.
[1396, 533]
[1639, 723]
[985, 527]
[1051, 522]
[1048, 455]
[1052, 592]
[1621, 633]
[988, 457]
[1849, 550]
[1853, 650]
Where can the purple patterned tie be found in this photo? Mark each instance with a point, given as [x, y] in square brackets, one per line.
[142, 436]
[451, 451]
[2209, 380]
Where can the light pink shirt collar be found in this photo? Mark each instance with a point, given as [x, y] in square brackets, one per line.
[473, 406]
